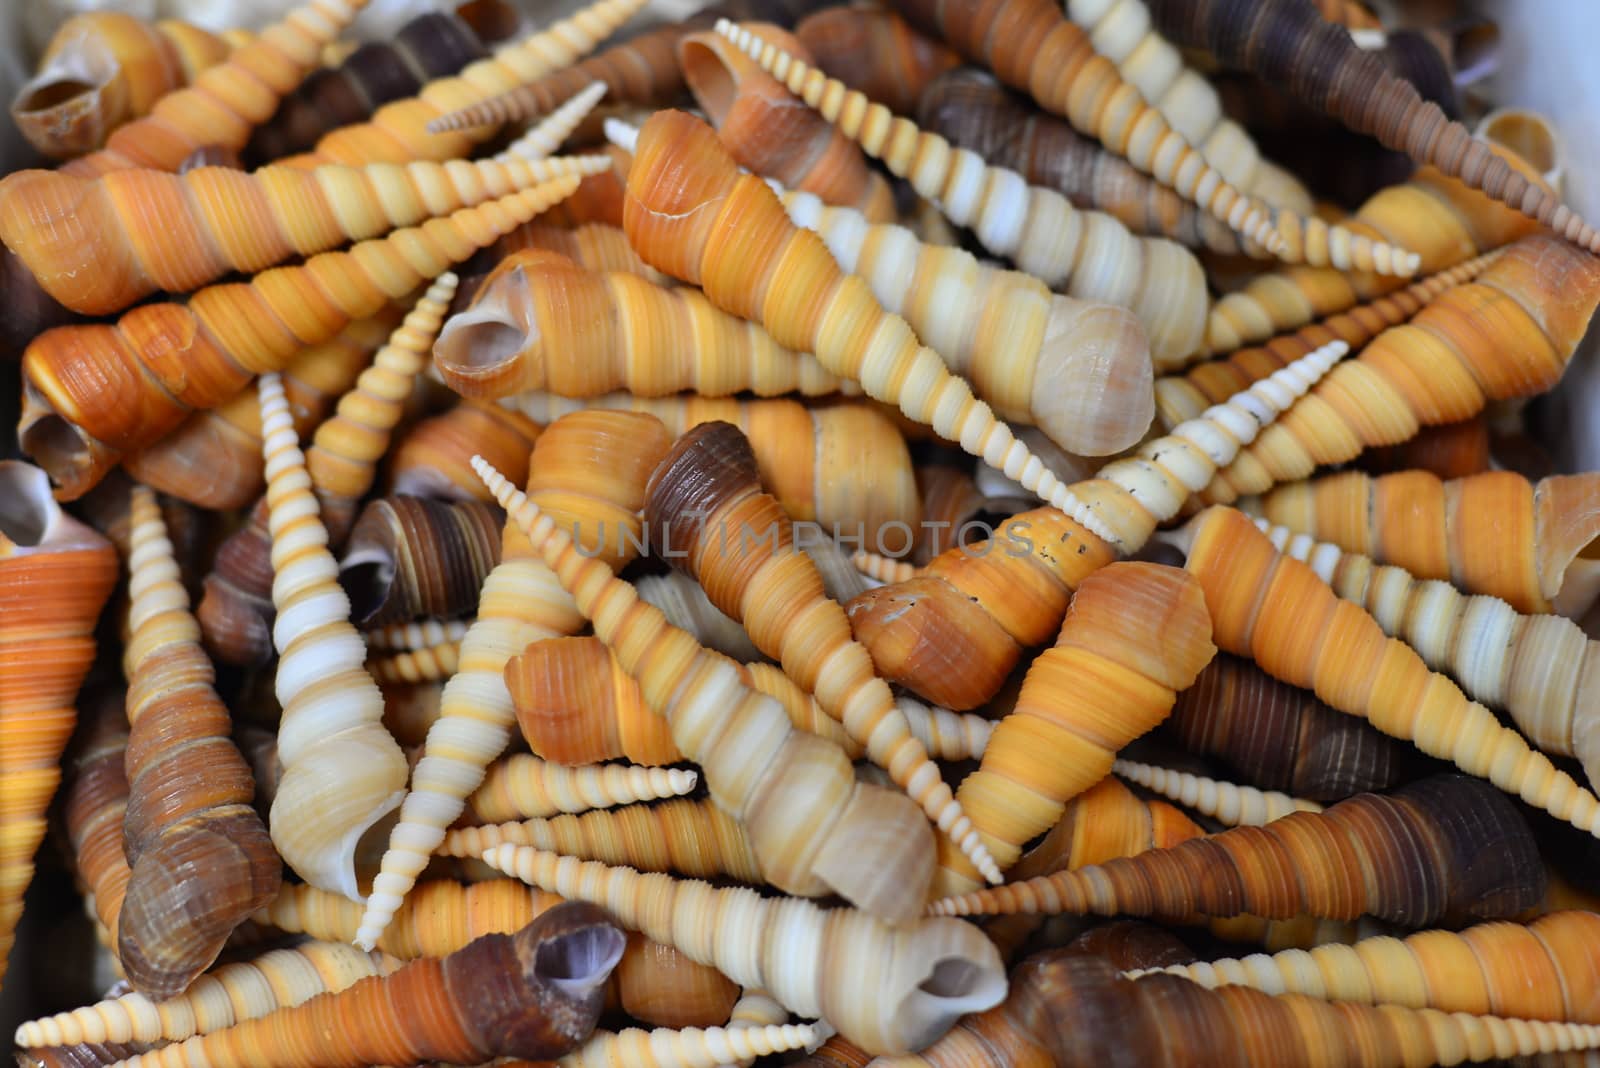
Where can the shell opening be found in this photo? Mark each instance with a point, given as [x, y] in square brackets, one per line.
[708, 76]
[367, 576]
[950, 978]
[954, 986]
[58, 447]
[480, 343]
[73, 73]
[579, 961]
[52, 93]
[25, 504]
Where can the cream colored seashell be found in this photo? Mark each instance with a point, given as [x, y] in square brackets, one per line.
[399, 637]
[524, 787]
[1531, 135]
[757, 1008]
[686, 606]
[1233, 805]
[342, 772]
[889, 990]
[690, 1047]
[433, 663]
[550, 132]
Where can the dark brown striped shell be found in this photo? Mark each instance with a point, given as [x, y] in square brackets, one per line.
[414, 558]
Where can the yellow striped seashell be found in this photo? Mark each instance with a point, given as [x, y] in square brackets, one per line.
[523, 787]
[689, 1047]
[549, 133]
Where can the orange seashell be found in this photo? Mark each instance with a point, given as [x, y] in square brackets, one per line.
[432, 458]
[55, 575]
[96, 798]
[873, 49]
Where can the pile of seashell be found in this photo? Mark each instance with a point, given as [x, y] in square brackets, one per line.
[397, 710]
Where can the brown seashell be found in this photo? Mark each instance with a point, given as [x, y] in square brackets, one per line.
[873, 49]
[1129, 944]
[201, 860]
[95, 801]
[235, 612]
[432, 458]
[80, 1055]
[55, 575]
[1445, 846]
[103, 68]
[662, 986]
[535, 994]
[412, 558]
[1454, 450]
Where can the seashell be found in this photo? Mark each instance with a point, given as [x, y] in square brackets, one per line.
[827, 817]
[883, 569]
[759, 124]
[953, 634]
[689, 1047]
[659, 984]
[1351, 14]
[969, 108]
[442, 917]
[233, 993]
[711, 483]
[1493, 533]
[1338, 649]
[839, 1052]
[332, 710]
[103, 68]
[1061, 738]
[435, 663]
[424, 634]
[521, 601]
[872, 983]
[410, 710]
[1287, 42]
[55, 575]
[227, 100]
[212, 156]
[681, 167]
[525, 787]
[84, 1055]
[550, 133]
[1508, 334]
[872, 49]
[540, 321]
[1532, 136]
[1078, 369]
[596, 246]
[534, 994]
[1544, 971]
[1184, 396]
[1091, 257]
[93, 391]
[98, 245]
[1441, 846]
[213, 458]
[397, 132]
[692, 838]
[1247, 1028]
[201, 860]
[856, 484]
[1438, 217]
[1454, 450]
[431, 459]
[1120, 30]
[1282, 738]
[1230, 804]
[95, 800]
[1541, 669]
[1129, 944]
[432, 45]
[685, 606]
[410, 558]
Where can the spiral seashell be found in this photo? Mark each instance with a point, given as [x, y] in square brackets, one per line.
[596, 246]
[873, 50]
[1184, 396]
[432, 45]
[233, 993]
[692, 838]
[55, 575]
[1302, 633]
[201, 860]
[1287, 42]
[103, 68]
[685, 605]
[525, 787]
[953, 633]
[710, 483]
[434, 663]
[84, 1055]
[542, 322]
[680, 168]
[1442, 846]
[405, 637]
[1134, 636]
[95, 801]
[1531, 135]
[757, 121]
[431, 458]
[691, 1047]
[1454, 450]
[1230, 804]
[95, 391]
[856, 484]
[410, 558]
[98, 245]
[224, 102]
[213, 458]
[592, 470]
[1078, 369]
[1544, 971]
[662, 986]
[973, 111]
[1541, 669]
[1508, 334]
[543, 138]
[1494, 533]
[1120, 31]
[883, 569]
[332, 710]
[534, 994]
[1282, 738]
[1436, 216]
[397, 132]
[857, 974]
[827, 818]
